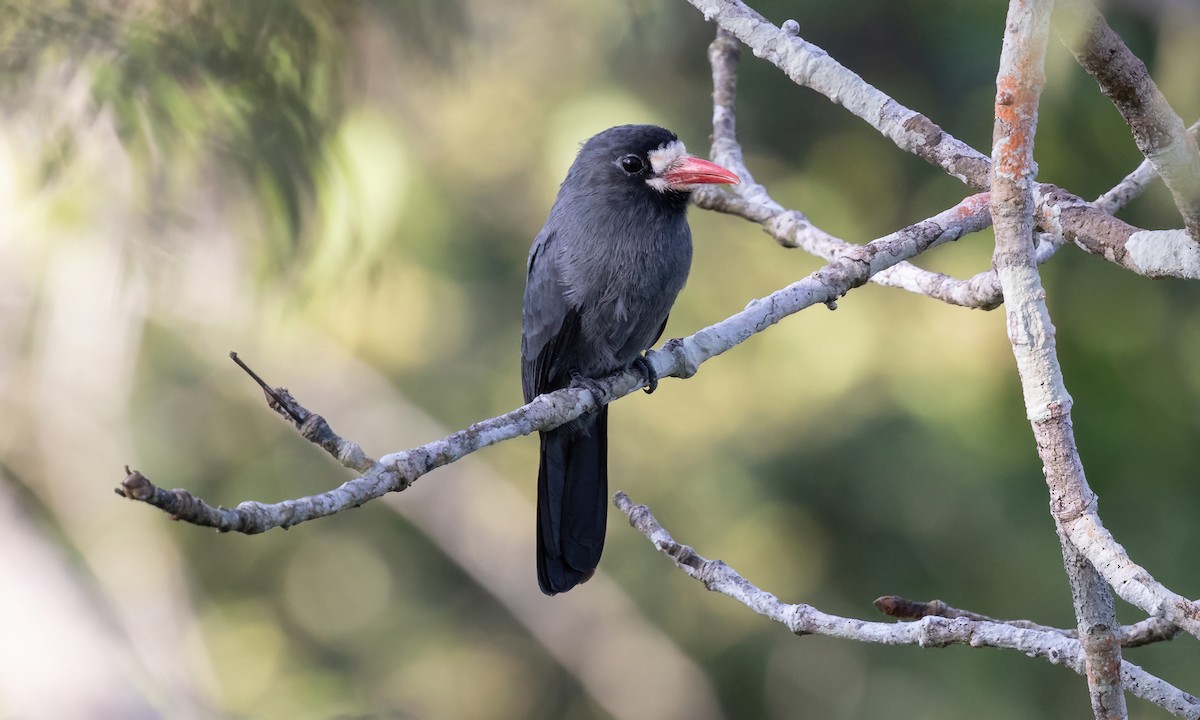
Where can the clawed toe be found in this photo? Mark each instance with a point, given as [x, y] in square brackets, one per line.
[648, 371]
[582, 382]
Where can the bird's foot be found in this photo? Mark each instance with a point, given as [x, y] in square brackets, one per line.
[641, 363]
[581, 382]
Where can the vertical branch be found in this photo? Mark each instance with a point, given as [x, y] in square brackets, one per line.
[1018, 87]
[1157, 130]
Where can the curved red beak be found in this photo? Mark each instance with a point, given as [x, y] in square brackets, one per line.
[688, 171]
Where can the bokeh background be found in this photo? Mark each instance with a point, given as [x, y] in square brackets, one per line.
[345, 194]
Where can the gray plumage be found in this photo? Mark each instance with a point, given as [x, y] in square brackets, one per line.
[602, 276]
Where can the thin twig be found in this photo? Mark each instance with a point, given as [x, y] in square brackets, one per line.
[931, 631]
[288, 406]
[1133, 184]
[1146, 632]
[900, 608]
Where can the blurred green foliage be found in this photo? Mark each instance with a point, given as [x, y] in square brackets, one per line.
[375, 170]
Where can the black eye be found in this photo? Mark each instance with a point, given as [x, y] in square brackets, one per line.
[631, 164]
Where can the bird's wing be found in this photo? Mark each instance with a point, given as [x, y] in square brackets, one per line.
[549, 323]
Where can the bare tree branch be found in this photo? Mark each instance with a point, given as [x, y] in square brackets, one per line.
[1133, 184]
[1092, 559]
[810, 66]
[930, 631]
[1018, 88]
[791, 228]
[679, 358]
[1157, 130]
[1146, 632]
[1151, 253]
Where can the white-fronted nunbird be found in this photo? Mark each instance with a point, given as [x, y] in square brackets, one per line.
[601, 279]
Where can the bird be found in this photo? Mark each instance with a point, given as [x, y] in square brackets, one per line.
[601, 277]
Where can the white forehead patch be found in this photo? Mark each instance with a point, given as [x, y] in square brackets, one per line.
[662, 158]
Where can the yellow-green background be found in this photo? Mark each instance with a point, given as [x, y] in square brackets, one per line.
[345, 194]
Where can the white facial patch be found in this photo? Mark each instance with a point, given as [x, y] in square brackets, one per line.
[661, 159]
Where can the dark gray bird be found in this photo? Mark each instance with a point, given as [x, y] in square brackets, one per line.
[602, 276]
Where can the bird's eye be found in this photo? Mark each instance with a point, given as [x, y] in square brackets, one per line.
[631, 164]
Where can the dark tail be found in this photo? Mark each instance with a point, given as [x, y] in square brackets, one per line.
[572, 503]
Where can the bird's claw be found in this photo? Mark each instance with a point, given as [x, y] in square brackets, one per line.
[641, 363]
[582, 382]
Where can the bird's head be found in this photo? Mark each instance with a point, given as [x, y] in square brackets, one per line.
[644, 159]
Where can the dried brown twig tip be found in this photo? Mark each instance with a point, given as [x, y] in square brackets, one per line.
[280, 400]
[900, 608]
[135, 486]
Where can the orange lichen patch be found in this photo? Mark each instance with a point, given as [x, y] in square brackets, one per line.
[972, 205]
[1015, 113]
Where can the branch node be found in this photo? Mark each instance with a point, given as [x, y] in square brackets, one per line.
[135, 486]
[685, 365]
[786, 227]
[315, 429]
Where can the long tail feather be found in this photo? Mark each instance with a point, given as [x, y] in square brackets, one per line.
[572, 503]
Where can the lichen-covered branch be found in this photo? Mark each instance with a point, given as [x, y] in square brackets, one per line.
[1018, 89]
[791, 228]
[1049, 406]
[930, 631]
[679, 358]
[1088, 227]
[1133, 184]
[1157, 130]
[1146, 632]
[810, 66]
[1152, 253]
